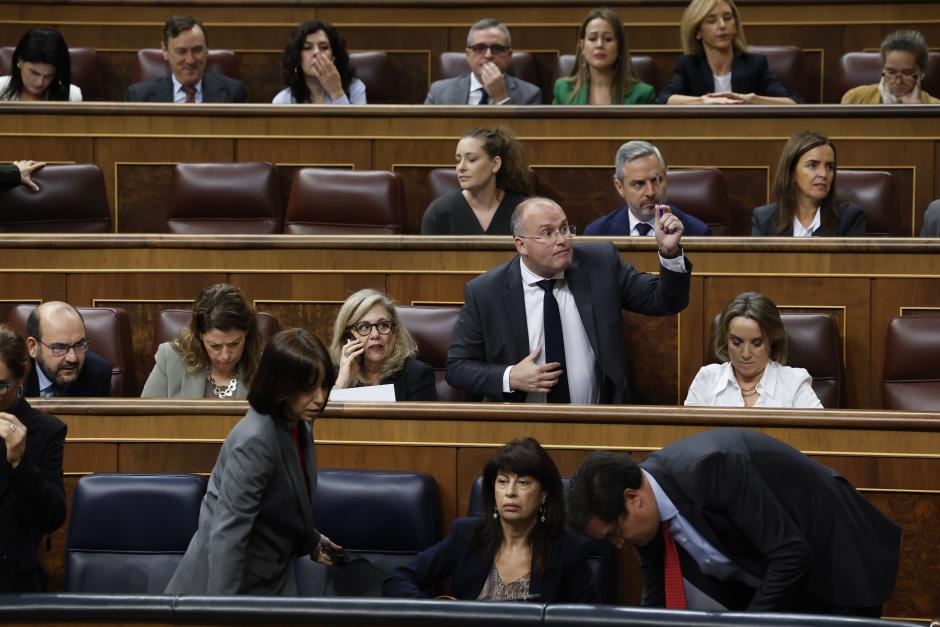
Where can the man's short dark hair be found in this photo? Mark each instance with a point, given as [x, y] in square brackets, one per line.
[181, 23]
[596, 488]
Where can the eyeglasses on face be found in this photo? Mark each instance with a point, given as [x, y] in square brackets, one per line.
[566, 231]
[905, 75]
[496, 49]
[61, 350]
[384, 327]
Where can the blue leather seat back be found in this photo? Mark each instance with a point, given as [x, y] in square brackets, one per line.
[127, 533]
[387, 517]
[601, 554]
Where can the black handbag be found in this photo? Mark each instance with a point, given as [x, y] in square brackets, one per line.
[353, 576]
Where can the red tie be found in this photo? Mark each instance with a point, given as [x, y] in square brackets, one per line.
[675, 589]
[190, 93]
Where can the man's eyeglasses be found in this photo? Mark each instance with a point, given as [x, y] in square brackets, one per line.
[496, 49]
[384, 327]
[546, 236]
[905, 75]
[61, 350]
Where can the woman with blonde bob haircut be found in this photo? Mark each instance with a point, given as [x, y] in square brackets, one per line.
[751, 341]
[372, 347]
[716, 67]
[215, 355]
[603, 72]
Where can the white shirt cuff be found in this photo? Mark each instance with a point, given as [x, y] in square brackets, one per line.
[506, 388]
[676, 265]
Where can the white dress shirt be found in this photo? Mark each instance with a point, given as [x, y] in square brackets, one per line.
[179, 96]
[780, 386]
[805, 231]
[476, 93]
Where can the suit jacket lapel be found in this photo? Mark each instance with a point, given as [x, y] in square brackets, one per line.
[294, 474]
[463, 90]
[579, 282]
[515, 305]
[194, 383]
[165, 90]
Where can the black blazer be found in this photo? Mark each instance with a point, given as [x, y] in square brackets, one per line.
[32, 499]
[9, 175]
[414, 382]
[796, 525]
[492, 332]
[851, 221]
[568, 580]
[215, 88]
[750, 73]
[93, 380]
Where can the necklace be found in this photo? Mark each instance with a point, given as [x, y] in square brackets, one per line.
[218, 390]
[748, 392]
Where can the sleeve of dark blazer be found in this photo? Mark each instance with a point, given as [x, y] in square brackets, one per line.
[766, 82]
[415, 382]
[37, 480]
[577, 583]
[428, 567]
[679, 84]
[761, 219]
[852, 220]
[644, 293]
[467, 368]
[99, 375]
[9, 175]
[733, 487]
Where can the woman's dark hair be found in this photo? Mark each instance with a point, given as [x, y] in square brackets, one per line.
[13, 353]
[223, 307]
[41, 45]
[761, 310]
[784, 187]
[513, 173]
[293, 361]
[624, 77]
[524, 457]
[293, 73]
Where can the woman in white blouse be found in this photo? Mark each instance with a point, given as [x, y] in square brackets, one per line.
[752, 343]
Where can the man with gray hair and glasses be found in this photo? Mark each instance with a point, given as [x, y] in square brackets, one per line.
[489, 48]
[547, 326]
[640, 179]
[62, 364]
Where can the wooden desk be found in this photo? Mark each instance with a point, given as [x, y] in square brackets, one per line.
[892, 458]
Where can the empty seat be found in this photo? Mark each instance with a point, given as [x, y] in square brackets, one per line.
[387, 517]
[127, 533]
[864, 68]
[911, 377]
[109, 331]
[84, 65]
[210, 198]
[381, 75]
[151, 64]
[876, 193]
[71, 199]
[325, 201]
[433, 330]
[788, 65]
[521, 65]
[644, 65]
[812, 343]
[171, 321]
[601, 555]
[703, 194]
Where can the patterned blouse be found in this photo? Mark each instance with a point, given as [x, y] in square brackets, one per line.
[495, 589]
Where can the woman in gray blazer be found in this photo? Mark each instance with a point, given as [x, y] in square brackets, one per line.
[256, 516]
[215, 355]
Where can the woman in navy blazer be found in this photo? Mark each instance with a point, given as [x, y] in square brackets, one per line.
[521, 551]
[716, 67]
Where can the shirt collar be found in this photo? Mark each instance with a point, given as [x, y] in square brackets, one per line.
[531, 278]
[667, 508]
[767, 384]
[800, 231]
[43, 380]
[633, 222]
[475, 83]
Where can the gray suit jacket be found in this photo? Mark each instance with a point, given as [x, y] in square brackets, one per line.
[492, 332]
[256, 516]
[215, 88]
[456, 91]
[171, 379]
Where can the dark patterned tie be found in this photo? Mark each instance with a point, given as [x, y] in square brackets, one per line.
[675, 588]
[643, 229]
[555, 343]
[190, 91]
[484, 97]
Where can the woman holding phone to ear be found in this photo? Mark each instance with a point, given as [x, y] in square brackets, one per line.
[371, 347]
